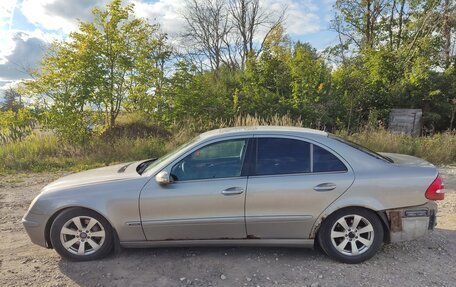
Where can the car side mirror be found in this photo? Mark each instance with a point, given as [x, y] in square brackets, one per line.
[163, 177]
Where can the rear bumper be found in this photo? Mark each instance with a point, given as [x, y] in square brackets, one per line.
[411, 222]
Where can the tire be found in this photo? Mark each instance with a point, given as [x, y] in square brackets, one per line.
[80, 234]
[348, 243]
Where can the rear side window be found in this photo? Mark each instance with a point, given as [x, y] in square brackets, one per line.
[288, 156]
[324, 161]
[282, 156]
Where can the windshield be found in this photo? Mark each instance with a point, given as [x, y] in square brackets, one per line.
[361, 148]
[168, 155]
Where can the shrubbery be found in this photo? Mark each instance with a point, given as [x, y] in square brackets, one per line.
[15, 125]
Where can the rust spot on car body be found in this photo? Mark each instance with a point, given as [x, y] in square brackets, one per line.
[316, 228]
[395, 221]
[251, 236]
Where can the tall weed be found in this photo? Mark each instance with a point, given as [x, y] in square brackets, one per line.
[44, 152]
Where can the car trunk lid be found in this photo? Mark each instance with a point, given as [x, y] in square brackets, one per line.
[407, 160]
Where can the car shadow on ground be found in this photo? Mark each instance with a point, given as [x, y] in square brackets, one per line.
[177, 266]
[263, 266]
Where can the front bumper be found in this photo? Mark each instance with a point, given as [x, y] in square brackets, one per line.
[35, 225]
[411, 222]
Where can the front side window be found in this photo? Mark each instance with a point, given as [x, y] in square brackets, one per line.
[217, 160]
[282, 156]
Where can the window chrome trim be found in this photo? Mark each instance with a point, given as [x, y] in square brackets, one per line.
[298, 174]
[210, 179]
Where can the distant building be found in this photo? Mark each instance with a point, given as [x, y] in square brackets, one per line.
[407, 121]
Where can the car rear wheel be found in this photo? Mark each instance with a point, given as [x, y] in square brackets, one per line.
[351, 235]
[80, 234]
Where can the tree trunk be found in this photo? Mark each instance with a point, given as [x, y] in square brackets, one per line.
[453, 110]
[391, 25]
[112, 120]
[399, 33]
[367, 34]
[447, 34]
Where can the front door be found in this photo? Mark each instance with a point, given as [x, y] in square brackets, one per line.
[206, 198]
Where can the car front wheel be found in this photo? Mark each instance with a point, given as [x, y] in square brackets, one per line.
[351, 235]
[80, 234]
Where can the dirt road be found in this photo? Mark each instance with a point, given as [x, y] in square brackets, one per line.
[430, 261]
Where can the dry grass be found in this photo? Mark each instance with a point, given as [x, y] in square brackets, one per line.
[45, 152]
[438, 149]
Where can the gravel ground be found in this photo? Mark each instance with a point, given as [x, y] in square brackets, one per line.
[428, 261]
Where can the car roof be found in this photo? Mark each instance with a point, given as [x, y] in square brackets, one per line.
[262, 129]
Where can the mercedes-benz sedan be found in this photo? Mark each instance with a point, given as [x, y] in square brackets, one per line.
[243, 186]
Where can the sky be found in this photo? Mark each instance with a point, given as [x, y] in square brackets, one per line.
[28, 26]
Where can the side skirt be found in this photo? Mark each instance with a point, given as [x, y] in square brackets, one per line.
[308, 243]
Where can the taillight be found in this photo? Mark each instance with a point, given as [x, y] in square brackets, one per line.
[435, 190]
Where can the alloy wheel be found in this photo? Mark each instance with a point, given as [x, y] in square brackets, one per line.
[352, 235]
[82, 235]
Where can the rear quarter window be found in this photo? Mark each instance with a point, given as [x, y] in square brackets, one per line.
[325, 161]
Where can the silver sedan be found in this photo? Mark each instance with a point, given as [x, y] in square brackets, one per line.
[243, 186]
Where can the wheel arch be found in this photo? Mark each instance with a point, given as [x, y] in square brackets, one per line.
[47, 229]
[380, 214]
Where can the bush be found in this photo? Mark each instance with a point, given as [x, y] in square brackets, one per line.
[14, 126]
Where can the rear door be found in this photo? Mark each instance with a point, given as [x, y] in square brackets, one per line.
[292, 181]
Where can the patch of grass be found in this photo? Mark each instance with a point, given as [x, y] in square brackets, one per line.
[437, 149]
[46, 153]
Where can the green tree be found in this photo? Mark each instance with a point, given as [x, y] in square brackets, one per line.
[266, 80]
[390, 55]
[109, 64]
[12, 100]
[204, 96]
[311, 82]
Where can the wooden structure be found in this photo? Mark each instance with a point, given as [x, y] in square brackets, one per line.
[407, 121]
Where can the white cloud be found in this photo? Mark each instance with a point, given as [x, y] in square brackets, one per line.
[23, 52]
[20, 50]
[165, 12]
[301, 17]
[5, 85]
[6, 12]
[59, 14]
[64, 14]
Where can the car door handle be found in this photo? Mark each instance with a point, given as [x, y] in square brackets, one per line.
[327, 186]
[233, 191]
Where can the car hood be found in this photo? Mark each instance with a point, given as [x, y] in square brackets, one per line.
[94, 176]
[403, 159]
